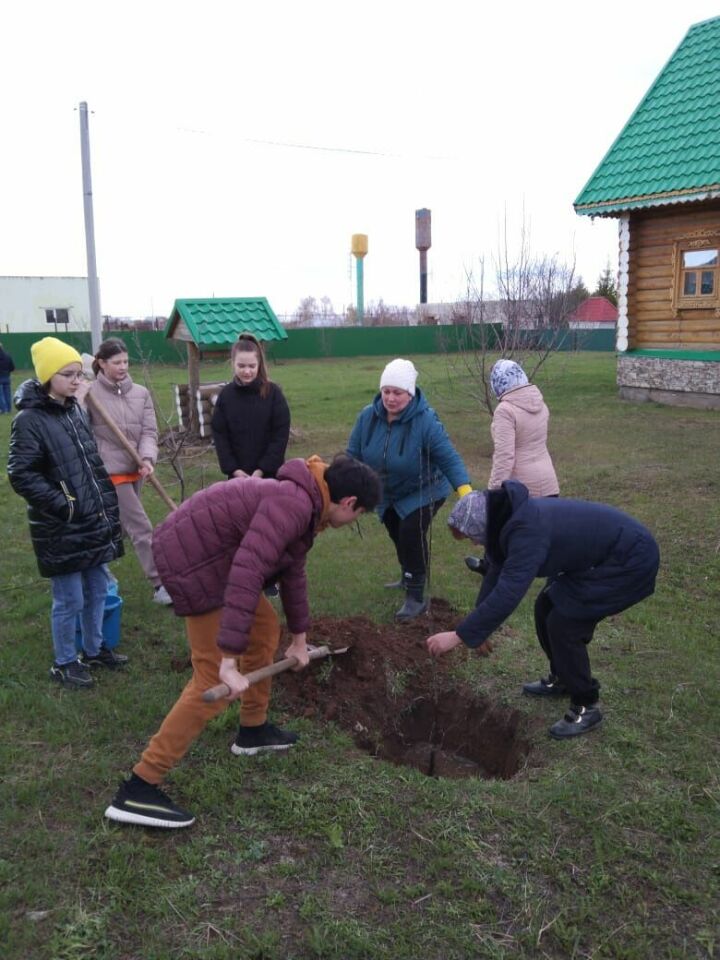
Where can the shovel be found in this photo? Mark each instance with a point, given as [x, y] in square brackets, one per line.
[222, 689]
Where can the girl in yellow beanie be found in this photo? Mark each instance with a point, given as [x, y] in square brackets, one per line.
[72, 507]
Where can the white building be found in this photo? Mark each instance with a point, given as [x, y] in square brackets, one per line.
[44, 304]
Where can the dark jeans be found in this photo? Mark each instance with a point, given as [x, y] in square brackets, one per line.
[5, 397]
[410, 537]
[565, 641]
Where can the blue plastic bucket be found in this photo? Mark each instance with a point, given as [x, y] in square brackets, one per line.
[111, 619]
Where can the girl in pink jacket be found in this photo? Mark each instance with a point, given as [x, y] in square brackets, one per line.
[131, 407]
[519, 432]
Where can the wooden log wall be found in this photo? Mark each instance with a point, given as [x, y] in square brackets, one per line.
[203, 404]
[653, 322]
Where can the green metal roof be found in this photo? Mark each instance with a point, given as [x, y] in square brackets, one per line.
[669, 150]
[221, 319]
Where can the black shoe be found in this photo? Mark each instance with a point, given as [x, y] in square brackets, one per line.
[410, 609]
[272, 591]
[577, 720]
[73, 674]
[477, 565]
[104, 658]
[550, 687]
[146, 805]
[262, 739]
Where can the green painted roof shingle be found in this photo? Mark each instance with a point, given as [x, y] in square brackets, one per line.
[220, 320]
[669, 150]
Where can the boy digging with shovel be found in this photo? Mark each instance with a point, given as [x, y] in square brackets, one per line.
[215, 554]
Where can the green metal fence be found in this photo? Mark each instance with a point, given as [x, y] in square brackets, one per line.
[318, 342]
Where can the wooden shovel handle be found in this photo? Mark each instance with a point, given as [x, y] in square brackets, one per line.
[222, 690]
[127, 446]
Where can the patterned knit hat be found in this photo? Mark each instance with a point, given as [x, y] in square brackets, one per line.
[507, 375]
[401, 374]
[469, 516]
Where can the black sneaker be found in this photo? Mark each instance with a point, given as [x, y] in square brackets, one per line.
[144, 804]
[73, 674]
[272, 591]
[545, 687]
[477, 565]
[577, 720]
[104, 658]
[266, 737]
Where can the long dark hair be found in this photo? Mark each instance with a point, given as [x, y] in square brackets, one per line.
[108, 348]
[247, 343]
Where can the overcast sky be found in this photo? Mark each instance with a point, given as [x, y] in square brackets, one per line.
[237, 146]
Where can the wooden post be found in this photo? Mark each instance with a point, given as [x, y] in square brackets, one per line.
[193, 353]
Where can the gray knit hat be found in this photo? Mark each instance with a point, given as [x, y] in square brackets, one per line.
[469, 516]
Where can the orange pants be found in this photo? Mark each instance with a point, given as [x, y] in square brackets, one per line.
[190, 715]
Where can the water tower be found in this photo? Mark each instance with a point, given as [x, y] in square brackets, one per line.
[359, 249]
[423, 244]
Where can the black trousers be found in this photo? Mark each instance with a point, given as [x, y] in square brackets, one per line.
[565, 641]
[410, 537]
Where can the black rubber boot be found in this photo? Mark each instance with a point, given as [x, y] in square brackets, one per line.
[398, 584]
[415, 602]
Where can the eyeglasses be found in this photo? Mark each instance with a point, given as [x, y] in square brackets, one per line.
[71, 375]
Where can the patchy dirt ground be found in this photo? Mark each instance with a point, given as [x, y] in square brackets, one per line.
[402, 706]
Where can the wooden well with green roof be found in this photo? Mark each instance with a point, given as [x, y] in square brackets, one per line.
[211, 325]
[661, 180]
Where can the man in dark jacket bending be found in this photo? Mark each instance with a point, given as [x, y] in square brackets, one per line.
[597, 560]
[215, 554]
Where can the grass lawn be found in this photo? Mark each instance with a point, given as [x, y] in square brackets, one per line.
[604, 847]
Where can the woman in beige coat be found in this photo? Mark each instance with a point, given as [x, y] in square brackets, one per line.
[519, 432]
[131, 408]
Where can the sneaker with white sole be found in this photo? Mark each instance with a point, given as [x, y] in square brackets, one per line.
[145, 805]
[262, 739]
[73, 674]
[576, 721]
[162, 597]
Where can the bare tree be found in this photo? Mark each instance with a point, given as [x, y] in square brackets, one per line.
[525, 321]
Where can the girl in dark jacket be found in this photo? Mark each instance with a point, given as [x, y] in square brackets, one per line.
[72, 507]
[251, 420]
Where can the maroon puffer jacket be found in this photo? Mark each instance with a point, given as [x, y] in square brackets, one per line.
[224, 543]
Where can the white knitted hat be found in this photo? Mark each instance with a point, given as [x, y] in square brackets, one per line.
[401, 374]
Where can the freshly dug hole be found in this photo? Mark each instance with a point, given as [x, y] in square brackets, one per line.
[401, 706]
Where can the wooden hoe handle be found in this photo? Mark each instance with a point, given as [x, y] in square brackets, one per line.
[128, 447]
[222, 689]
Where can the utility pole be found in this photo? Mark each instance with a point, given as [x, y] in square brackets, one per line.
[93, 285]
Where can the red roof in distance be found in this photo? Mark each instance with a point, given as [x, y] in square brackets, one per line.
[595, 310]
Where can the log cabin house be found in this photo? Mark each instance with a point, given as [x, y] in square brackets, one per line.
[661, 180]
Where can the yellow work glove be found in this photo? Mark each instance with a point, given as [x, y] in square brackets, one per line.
[461, 491]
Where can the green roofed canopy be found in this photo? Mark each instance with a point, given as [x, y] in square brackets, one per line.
[669, 150]
[219, 320]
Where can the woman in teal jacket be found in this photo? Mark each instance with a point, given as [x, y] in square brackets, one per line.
[401, 437]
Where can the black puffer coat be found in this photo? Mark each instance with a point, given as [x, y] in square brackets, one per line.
[54, 464]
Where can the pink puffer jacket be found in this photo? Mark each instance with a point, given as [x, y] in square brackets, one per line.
[226, 542]
[132, 409]
[519, 432]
